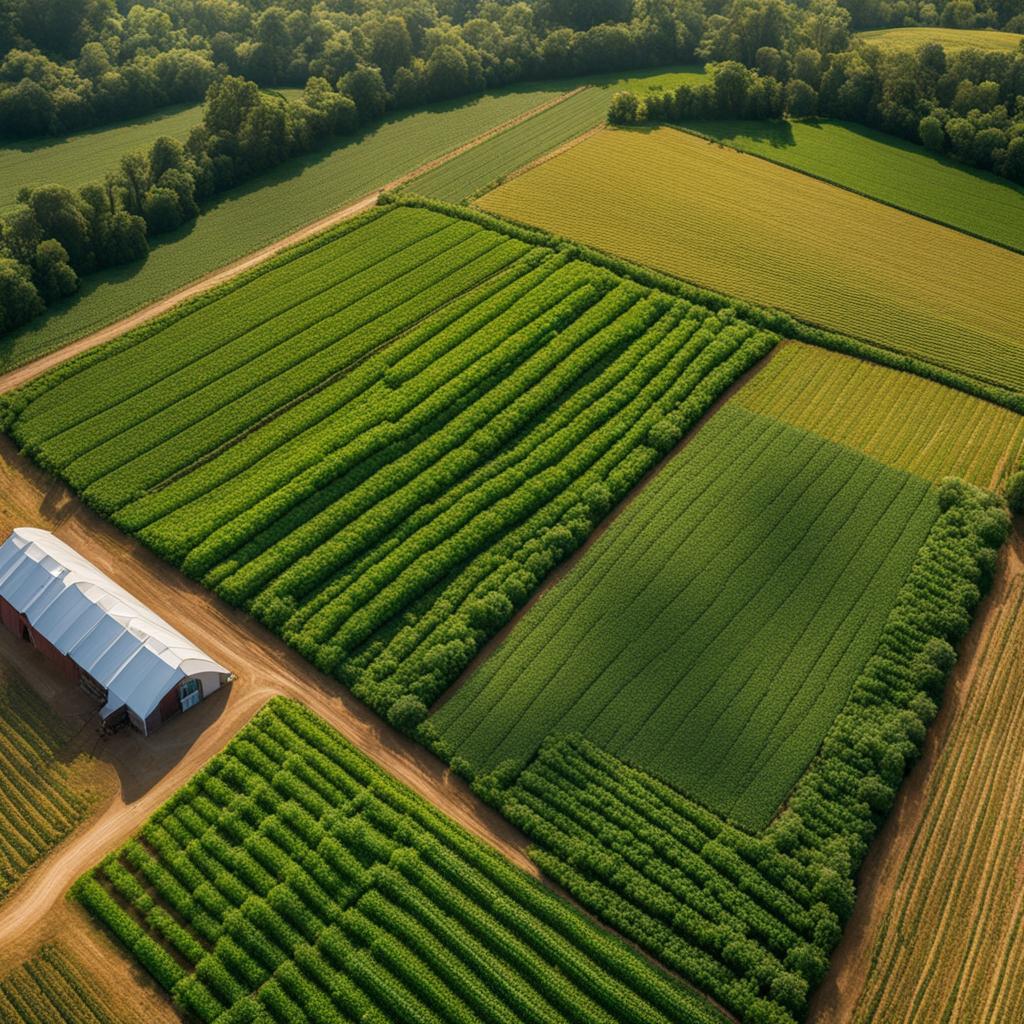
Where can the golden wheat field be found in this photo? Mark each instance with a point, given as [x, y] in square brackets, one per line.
[743, 226]
[898, 418]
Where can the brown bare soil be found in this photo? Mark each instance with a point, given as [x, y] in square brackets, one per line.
[936, 933]
[150, 769]
[15, 378]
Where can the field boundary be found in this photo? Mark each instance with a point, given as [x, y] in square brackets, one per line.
[838, 184]
[201, 286]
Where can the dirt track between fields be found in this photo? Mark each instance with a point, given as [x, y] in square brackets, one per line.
[16, 377]
[151, 769]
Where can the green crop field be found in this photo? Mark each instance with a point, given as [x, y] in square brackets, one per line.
[41, 798]
[54, 987]
[473, 171]
[75, 160]
[887, 168]
[293, 880]
[714, 632]
[271, 206]
[950, 38]
[739, 685]
[903, 420]
[763, 233]
[380, 443]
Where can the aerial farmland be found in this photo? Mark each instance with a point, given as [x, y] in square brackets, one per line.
[511, 512]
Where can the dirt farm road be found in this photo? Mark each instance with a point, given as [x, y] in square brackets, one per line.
[150, 770]
[20, 375]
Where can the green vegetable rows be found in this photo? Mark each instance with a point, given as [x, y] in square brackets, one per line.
[293, 880]
[749, 919]
[714, 632]
[382, 444]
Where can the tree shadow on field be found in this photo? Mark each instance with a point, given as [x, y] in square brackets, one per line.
[777, 134]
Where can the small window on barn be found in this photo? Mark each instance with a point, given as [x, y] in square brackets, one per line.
[189, 693]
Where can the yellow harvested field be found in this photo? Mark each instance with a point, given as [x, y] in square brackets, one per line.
[898, 418]
[951, 39]
[949, 941]
[746, 227]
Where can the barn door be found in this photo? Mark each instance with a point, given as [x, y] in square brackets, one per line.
[190, 693]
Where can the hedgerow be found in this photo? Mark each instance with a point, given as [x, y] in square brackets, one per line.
[379, 908]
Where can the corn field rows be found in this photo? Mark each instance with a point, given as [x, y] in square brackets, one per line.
[293, 880]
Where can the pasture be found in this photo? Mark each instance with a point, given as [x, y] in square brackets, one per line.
[380, 443]
[886, 168]
[270, 207]
[713, 633]
[42, 798]
[292, 879]
[898, 418]
[950, 39]
[749, 228]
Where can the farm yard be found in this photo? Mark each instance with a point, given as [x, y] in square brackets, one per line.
[584, 445]
[291, 877]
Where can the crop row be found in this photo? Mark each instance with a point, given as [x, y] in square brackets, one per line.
[904, 420]
[712, 633]
[383, 468]
[53, 987]
[39, 802]
[291, 873]
[752, 919]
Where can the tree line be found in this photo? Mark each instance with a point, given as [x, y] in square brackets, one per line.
[770, 60]
[72, 64]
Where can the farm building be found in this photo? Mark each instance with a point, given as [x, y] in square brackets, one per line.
[96, 633]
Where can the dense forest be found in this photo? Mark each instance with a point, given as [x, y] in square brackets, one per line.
[66, 65]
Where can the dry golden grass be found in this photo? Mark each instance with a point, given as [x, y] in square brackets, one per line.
[764, 233]
[899, 418]
[951, 39]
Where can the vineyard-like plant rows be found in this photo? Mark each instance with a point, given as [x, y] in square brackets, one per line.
[749, 228]
[53, 987]
[292, 880]
[380, 445]
[899, 418]
[713, 633]
[751, 919]
[40, 802]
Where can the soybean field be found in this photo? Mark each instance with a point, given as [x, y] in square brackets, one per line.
[292, 879]
[713, 633]
[886, 168]
[899, 418]
[380, 444]
[763, 233]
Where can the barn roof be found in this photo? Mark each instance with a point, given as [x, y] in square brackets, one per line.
[122, 644]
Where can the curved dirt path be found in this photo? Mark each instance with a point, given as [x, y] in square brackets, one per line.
[151, 769]
[22, 374]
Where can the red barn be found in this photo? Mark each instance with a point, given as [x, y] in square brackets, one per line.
[94, 632]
